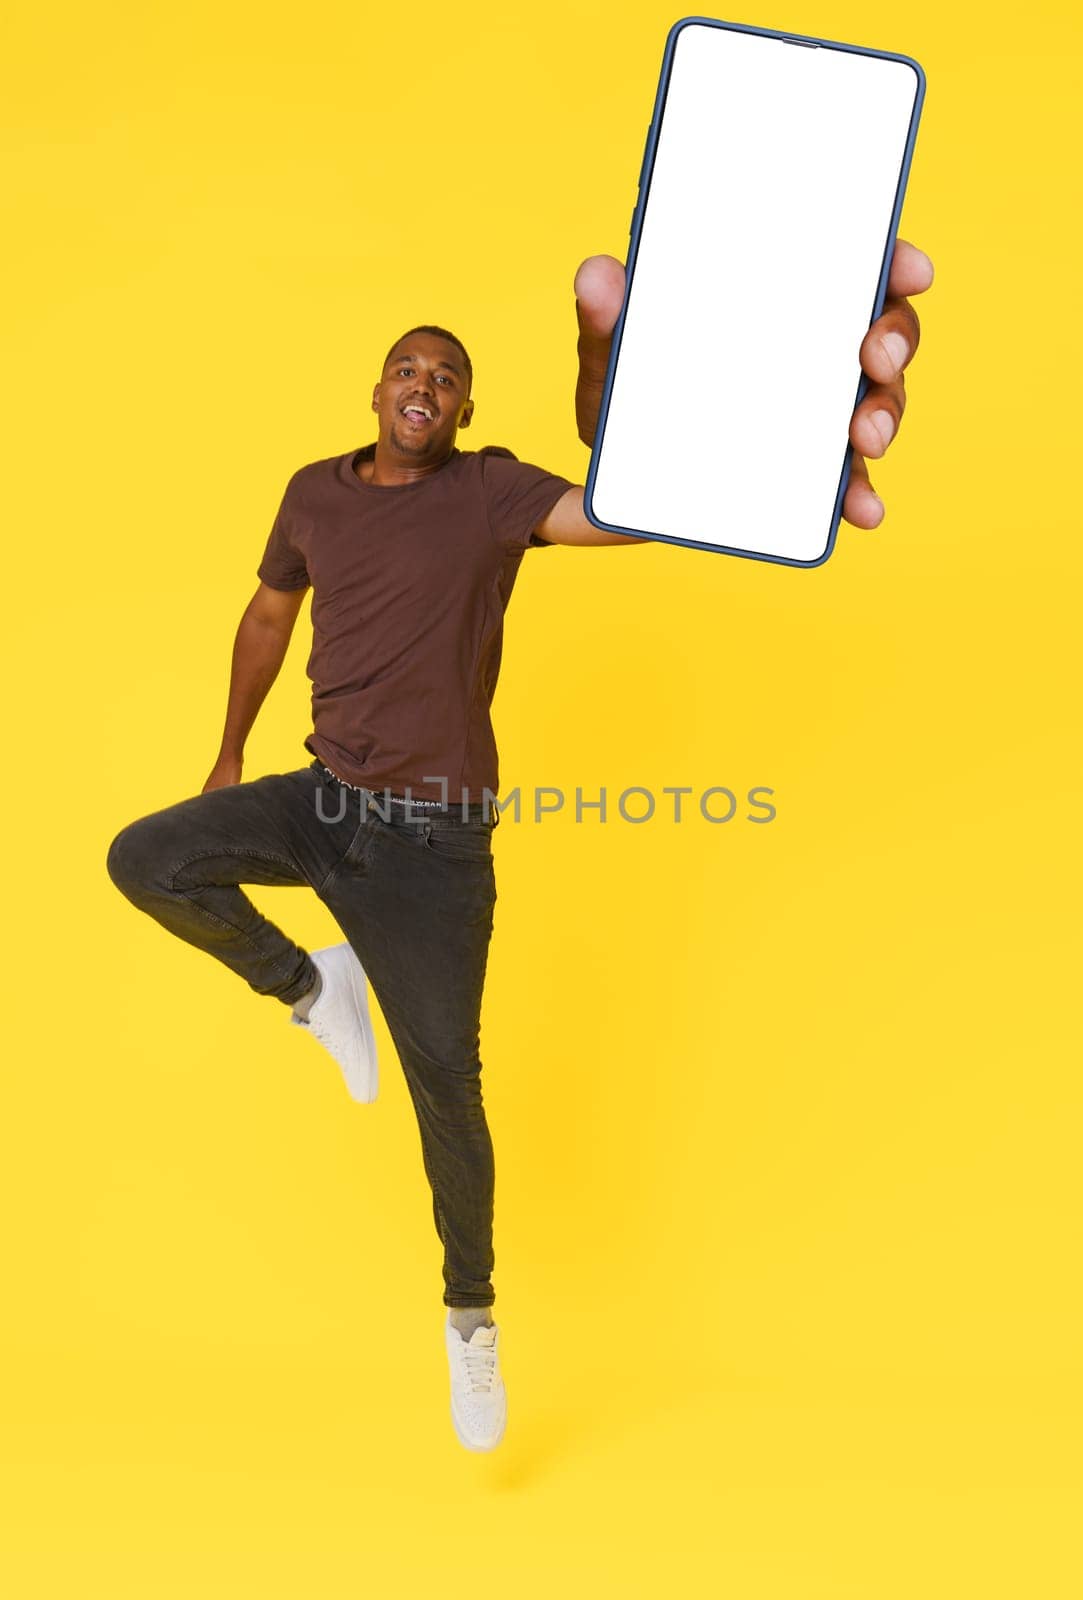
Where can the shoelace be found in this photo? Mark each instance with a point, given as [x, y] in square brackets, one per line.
[479, 1362]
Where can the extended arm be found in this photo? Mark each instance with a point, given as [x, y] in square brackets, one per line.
[259, 649]
[567, 524]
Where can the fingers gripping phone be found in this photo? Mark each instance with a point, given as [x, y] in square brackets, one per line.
[770, 194]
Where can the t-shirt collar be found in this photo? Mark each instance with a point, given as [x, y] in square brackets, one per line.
[367, 452]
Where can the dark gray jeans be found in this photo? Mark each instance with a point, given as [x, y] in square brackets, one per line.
[413, 895]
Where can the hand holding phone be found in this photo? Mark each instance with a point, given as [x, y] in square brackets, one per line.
[770, 191]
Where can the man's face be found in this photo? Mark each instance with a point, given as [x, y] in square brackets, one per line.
[424, 373]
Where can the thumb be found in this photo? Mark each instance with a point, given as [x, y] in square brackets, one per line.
[599, 295]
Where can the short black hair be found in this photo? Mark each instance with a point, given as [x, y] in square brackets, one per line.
[441, 333]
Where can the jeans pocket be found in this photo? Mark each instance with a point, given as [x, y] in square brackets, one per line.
[460, 841]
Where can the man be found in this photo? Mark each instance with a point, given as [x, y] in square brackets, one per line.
[411, 547]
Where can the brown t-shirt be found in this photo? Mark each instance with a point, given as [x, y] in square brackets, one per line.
[409, 584]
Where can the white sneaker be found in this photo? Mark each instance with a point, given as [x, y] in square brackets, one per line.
[479, 1403]
[340, 1020]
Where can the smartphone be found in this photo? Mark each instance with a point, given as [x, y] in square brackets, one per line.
[759, 251]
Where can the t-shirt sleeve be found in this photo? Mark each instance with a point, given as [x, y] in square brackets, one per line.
[283, 564]
[518, 496]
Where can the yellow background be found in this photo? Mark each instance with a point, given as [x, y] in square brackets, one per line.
[786, 1117]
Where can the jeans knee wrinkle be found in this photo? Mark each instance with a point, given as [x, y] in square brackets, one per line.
[236, 851]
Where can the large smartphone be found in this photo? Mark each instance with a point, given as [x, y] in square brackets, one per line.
[759, 251]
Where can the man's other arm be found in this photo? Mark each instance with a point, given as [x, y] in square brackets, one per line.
[259, 649]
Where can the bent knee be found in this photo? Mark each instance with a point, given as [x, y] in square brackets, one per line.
[133, 861]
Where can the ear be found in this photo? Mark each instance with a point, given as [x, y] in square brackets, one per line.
[376, 398]
[468, 412]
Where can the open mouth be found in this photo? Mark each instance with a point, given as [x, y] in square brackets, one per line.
[417, 417]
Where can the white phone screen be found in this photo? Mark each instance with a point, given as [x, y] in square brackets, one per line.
[765, 227]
